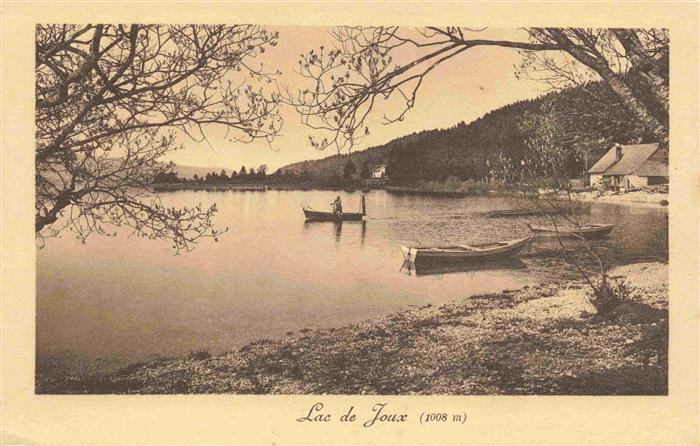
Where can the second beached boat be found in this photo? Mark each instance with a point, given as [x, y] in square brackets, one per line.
[587, 231]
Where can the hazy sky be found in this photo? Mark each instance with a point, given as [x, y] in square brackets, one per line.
[461, 89]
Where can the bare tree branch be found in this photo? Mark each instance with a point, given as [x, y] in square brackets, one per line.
[110, 101]
[348, 80]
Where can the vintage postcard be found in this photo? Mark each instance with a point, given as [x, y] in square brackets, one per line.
[336, 223]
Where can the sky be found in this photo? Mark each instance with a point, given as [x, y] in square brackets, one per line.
[463, 88]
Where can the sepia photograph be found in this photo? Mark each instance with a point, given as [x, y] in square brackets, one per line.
[411, 223]
[353, 210]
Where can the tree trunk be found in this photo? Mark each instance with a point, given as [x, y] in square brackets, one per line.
[642, 113]
[40, 222]
[649, 68]
[616, 83]
[604, 300]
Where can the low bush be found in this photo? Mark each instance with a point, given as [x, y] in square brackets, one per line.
[199, 355]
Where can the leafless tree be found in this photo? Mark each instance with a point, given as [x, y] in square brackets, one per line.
[564, 211]
[111, 100]
[363, 66]
[546, 188]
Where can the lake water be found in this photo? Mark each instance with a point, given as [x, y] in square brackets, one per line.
[115, 301]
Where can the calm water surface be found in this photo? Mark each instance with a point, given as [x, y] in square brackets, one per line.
[115, 301]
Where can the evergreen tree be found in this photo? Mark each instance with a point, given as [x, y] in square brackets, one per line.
[166, 177]
[349, 169]
[365, 173]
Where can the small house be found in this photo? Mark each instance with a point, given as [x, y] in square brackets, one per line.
[630, 166]
[379, 171]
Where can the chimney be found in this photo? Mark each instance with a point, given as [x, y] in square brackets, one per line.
[618, 152]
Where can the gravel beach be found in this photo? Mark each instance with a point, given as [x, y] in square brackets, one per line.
[535, 340]
[637, 198]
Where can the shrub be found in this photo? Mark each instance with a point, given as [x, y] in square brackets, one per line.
[199, 355]
[620, 288]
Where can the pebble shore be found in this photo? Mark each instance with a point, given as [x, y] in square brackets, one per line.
[537, 340]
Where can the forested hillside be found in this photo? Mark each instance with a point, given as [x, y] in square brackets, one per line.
[583, 120]
[334, 165]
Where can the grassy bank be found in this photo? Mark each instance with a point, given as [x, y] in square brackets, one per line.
[542, 340]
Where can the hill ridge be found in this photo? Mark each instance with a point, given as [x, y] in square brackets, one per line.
[466, 151]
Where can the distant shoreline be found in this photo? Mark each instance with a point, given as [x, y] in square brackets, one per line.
[166, 187]
[448, 193]
[349, 187]
[636, 198]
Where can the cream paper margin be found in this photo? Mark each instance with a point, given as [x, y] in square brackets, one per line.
[200, 419]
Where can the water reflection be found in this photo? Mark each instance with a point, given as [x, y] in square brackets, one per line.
[440, 268]
[336, 227]
[546, 246]
[127, 299]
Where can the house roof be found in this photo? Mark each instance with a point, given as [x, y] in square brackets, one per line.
[633, 156]
[652, 168]
[381, 166]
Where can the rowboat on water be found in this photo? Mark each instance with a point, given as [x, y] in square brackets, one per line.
[482, 251]
[586, 231]
[314, 215]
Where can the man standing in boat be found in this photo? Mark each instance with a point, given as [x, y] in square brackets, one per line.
[337, 207]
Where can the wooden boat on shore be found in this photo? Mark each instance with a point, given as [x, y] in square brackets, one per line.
[484, 251]
[586, 231]
[524, 212]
